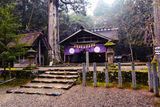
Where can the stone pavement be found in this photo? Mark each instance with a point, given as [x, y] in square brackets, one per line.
[79, 96]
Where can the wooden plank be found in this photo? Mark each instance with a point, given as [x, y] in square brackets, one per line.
[159, 73]
[84, 74]
[106, 75]
[95, 74]
[39, 52]
[155, 79]
[133, 76]
[150, 77]
[119, 75]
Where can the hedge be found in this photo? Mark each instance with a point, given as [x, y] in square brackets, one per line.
[141, 77]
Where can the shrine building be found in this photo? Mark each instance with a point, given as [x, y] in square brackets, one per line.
[88, 44]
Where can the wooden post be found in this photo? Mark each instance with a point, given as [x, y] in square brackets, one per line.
[159, 73]
[84, 74]
[133, 75]
[119, 75]
[156, 43]
[39, 52]
[87, 61]
[64, 58]
[95, 74]
[155, 79]
[107, 75]
[150, 77]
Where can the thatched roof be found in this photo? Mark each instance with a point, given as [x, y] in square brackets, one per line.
[107, 34]
[27, 39]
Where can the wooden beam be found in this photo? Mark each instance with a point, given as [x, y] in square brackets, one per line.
[87, 61]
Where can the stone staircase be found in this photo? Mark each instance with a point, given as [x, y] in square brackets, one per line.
[51, 82]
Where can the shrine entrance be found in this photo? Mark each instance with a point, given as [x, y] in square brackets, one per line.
[81, 57]
[88, 45]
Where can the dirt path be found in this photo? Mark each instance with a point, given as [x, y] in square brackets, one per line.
[79, 96]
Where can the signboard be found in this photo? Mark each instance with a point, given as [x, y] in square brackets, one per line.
[157, 50]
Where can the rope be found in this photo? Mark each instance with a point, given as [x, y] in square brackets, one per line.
[7, 81]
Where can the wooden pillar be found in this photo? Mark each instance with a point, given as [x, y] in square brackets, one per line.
[107, 75]
[87, 61]
[95, 74]
[159, 73]
[84, 74]
[39, 52]
[155, 79]
[133, 75]
[156, 40]
[150, 77]
[119, 75]
[64, 58]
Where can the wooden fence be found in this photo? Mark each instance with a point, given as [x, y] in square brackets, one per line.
[153, 76]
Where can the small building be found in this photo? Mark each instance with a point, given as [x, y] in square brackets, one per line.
[91, 42]
[37, 41]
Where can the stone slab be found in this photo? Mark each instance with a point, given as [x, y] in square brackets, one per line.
[58, 76]
[44, 85]
[53, 80]
[61, 72]
[49, 92]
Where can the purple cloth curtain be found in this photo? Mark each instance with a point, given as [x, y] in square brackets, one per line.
[71, 50]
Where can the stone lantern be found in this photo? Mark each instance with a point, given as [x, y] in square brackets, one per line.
[31, 56]
[110, 52]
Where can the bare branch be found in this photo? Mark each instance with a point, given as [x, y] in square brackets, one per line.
[66, 2]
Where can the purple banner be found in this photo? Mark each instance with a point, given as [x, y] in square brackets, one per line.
[71, 50]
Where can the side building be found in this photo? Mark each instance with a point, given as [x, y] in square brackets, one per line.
[37, 41]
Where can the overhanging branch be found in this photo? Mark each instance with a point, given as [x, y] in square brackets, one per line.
[66, 2]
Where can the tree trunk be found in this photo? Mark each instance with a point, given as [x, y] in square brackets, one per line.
[130, 47]
[157, 25]
[24, 13]
[53, 31]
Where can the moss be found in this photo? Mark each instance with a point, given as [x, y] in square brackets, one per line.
[14, 83]
[110, 44]
[30, 68]
[157, 103]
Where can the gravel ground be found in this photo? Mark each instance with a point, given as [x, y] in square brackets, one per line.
[79, 96]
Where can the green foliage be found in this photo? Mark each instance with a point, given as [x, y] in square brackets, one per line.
[14, 83]
[132, 18]
[30, 68]
[72, 23]
[8, 29]
[141, 77]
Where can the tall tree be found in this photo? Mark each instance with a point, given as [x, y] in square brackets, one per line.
[53, 23]
[8, 29]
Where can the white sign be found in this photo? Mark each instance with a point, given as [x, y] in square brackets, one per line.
[71, 50]
[157, 50]
[97, 49]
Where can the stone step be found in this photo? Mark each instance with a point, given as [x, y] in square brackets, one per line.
[58, 76]
[62, 72]
[48, 86]
[53, 80]
[49, 92]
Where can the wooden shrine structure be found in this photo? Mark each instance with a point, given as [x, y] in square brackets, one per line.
[88, 45]
[37, 41]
